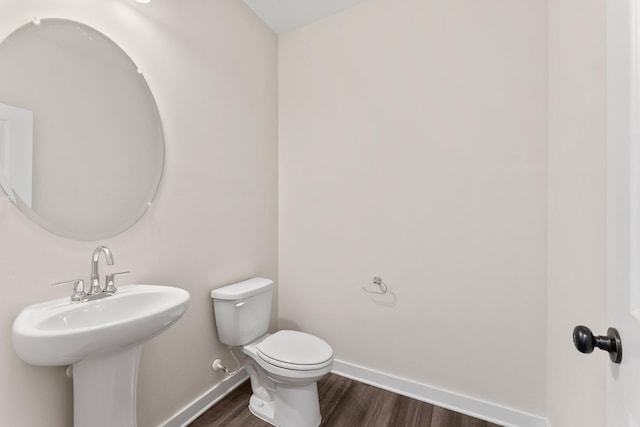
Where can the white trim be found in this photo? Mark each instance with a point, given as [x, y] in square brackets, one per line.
[456, 402]
[634, 161]
[463, 404]
[623, 184]
[196, 408]
[16, 152]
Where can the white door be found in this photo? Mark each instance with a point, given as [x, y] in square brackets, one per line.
[623, 208]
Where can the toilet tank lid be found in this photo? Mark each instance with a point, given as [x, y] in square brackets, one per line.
[243, 289]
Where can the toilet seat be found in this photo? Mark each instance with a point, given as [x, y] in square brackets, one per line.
[295, 350]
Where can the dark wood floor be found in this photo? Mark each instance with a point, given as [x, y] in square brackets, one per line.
[344, 403]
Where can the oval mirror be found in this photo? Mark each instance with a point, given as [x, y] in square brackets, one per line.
[81, 142]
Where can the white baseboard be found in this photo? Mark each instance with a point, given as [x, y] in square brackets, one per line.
[196, 408]
[473, 407]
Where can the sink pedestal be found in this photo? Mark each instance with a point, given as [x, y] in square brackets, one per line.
[102, 339]
[104, 389]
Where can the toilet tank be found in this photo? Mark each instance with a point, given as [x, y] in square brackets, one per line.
[243, 310]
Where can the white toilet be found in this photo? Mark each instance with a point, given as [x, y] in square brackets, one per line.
[284, 367]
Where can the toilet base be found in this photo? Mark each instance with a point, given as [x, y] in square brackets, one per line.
[292, 406]
[261, 409]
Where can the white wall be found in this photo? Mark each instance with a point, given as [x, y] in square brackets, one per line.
[413, 146]
[577, 206]
[212, 68]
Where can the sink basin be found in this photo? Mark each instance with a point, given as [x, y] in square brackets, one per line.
[60, 333]
[102, 339]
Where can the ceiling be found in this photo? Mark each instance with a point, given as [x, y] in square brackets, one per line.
[286, 15]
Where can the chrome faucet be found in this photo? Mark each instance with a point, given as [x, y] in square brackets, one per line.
[95, 277]
[95, 291]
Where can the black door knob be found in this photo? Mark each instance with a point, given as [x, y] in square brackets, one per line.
[585, 342]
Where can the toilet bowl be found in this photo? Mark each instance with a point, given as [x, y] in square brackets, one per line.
[283, 367]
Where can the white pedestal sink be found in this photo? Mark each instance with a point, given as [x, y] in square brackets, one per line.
[102, 339]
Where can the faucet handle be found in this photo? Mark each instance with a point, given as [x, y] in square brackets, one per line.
[110, 287]
[78, 294]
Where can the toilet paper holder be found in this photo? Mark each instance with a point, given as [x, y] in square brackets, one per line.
[377, 280]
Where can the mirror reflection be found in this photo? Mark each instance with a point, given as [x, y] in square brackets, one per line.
[81, 142]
